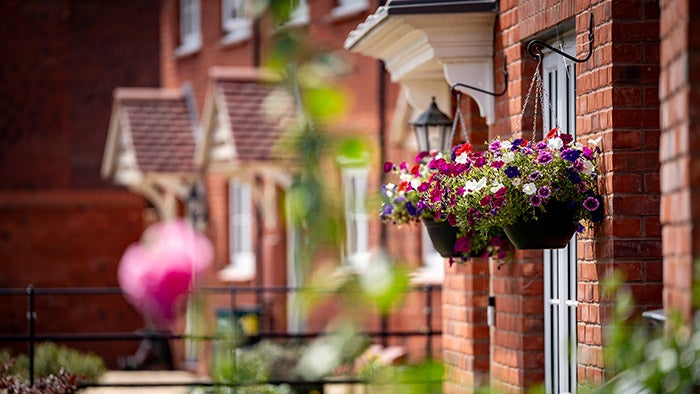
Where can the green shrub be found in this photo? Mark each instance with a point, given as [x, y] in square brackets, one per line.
[50, 358]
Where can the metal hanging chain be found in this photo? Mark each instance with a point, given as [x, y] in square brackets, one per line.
[527, 97]
[459, 117]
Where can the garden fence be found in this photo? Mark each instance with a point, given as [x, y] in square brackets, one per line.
[32, 337]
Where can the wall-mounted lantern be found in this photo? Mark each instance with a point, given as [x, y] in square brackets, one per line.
[433, 129]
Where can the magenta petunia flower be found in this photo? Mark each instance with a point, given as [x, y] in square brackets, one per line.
[463, 245]
[497, 164]
[535, 200]
[591, 204]
[388, 166]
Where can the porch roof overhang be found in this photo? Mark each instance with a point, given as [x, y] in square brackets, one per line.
[150, 145]
[428, 46]
[246, 115]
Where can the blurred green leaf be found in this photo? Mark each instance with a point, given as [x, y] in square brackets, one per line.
[324, 103]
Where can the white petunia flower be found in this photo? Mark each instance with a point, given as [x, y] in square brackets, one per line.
[588, 167]
[555, 143]
[462, 158]
[515, 181]
[529, 188]
[506, 144]
[508, 157]
[415, 183]
[475, 186]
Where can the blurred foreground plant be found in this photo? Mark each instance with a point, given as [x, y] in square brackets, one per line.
[645, 359]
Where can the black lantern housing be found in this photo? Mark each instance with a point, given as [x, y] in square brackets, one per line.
[433, 129]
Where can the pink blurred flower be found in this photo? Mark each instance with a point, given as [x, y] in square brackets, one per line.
[157, 271]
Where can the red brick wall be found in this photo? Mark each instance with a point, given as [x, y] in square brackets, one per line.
[62, 225]
[465, 331]
[680, 142]
[617, 100]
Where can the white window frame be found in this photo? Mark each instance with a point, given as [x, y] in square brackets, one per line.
[559, 86]
[234, 22]
[190, 27]
[349, 7]
[355, 186]
[240, 228]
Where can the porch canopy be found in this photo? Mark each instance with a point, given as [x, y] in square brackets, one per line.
[246, 114]
[428, 46]
[151, 144]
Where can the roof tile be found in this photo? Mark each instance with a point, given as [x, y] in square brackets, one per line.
[258, 112]
[161, 129]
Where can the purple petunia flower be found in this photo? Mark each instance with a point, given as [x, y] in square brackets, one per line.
[388, 166]
[580, 228]
[541, 145]
[535, 200]
[578, 165]
[534, 176]
[495, 145]
[387, 210]
[412, 210]
[544, 157]
[573, 176]
[512, 172]
[570, 155]
[591, 204]
[544, 192]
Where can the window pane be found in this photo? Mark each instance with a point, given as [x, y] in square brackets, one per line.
[240, 219]
[356, 218]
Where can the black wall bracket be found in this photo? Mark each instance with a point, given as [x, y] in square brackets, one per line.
[501, 93]
[534, 47]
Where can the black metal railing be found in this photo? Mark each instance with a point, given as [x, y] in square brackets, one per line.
[32, 337]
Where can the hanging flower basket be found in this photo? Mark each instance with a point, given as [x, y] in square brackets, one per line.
[552, 229]
[444, 237]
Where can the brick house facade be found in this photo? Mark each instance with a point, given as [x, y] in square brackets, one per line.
[222, 71]
[62, 225]
[636, 94]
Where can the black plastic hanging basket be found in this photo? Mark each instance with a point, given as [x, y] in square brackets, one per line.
[552, 229]
[443, 235]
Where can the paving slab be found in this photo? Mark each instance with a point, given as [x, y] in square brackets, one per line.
[131, 377]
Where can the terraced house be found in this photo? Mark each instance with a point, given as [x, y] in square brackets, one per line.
[618, 71]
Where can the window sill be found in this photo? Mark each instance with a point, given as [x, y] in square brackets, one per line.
[187, 50]
[427, 276]
[235, 274]
[236, 37]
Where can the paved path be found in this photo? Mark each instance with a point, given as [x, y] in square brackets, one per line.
[144, 377]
